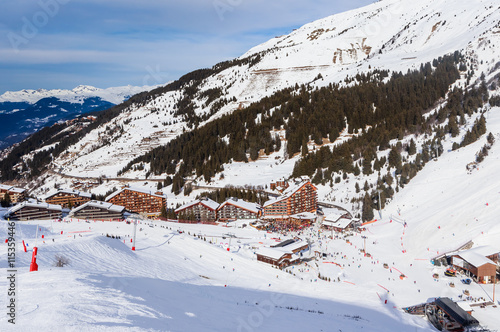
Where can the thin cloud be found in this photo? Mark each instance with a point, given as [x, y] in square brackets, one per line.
[115, 41]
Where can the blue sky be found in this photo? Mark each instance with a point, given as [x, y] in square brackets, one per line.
[64, 43]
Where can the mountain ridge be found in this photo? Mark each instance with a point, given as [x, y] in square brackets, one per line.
[114, 95]
[207, 95]
[26, 111]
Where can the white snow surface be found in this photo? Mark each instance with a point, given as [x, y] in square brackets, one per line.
[180, 282]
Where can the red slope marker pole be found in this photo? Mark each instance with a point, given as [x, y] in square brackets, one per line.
[34, 265]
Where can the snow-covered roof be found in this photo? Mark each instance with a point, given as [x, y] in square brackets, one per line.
[334, 217]
[139, 190]
[68, 191]
[205, 201]
[477, 256]
[11, 188]
[304, 215]
[252, 207]
[464, 305]
[288, 192]
[47, 206]
[102, 205]
[274, 253]
[340, 223]
[295, 245]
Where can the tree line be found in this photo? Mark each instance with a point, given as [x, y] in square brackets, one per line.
[389, 107]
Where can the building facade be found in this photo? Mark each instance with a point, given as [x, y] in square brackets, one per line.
[68, 198]
[481, 263]
[139, 200]
[276, 257]
[16, 194]
[233, 209]
[33, 210]
[301, 197]
[199, 210]
[98, 211]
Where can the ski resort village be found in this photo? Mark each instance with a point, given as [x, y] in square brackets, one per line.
[293, 261]
[341, 177]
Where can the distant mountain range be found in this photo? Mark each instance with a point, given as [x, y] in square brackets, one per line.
[26, 111]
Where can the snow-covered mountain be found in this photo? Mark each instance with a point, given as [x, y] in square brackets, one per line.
[24, 112]
[113, 95]
[395, 35]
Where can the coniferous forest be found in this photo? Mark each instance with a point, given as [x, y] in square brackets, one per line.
[374, 107]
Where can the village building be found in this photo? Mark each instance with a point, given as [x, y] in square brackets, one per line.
[273, 256]
[282, 254]
[203, 209]
[298, 198]
[295, 246]
[16, 194]
[34, 210]
[233, 209]
[67, 198]
[481, 263]
[339, 222]
[139, 200]
[98, 211]
[303, 218]
[457, 317]
[279, 185]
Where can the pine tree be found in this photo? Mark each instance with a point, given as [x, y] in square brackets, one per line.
[412, 149]
[453, 126]
[6, 201]
[304, 148]
[367, 208]
[356, 170]
[367, 167]
[163, 212]
[394, 158]
[491, 138]
[389, 179]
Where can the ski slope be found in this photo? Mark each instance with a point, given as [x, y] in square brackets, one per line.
[182, 278]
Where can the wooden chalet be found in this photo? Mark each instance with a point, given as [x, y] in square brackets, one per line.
[203, 209]
[282, 254]
[481, 263]
[301, 197]
[277, 257]
[338, 222]
[33, 211]
[67, 198]
[233, 209]
[138, 200]
[16, 194]
[295, 246]
[279, 185]
[96, 210]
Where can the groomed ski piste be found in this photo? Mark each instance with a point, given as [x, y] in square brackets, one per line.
[182, 277]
